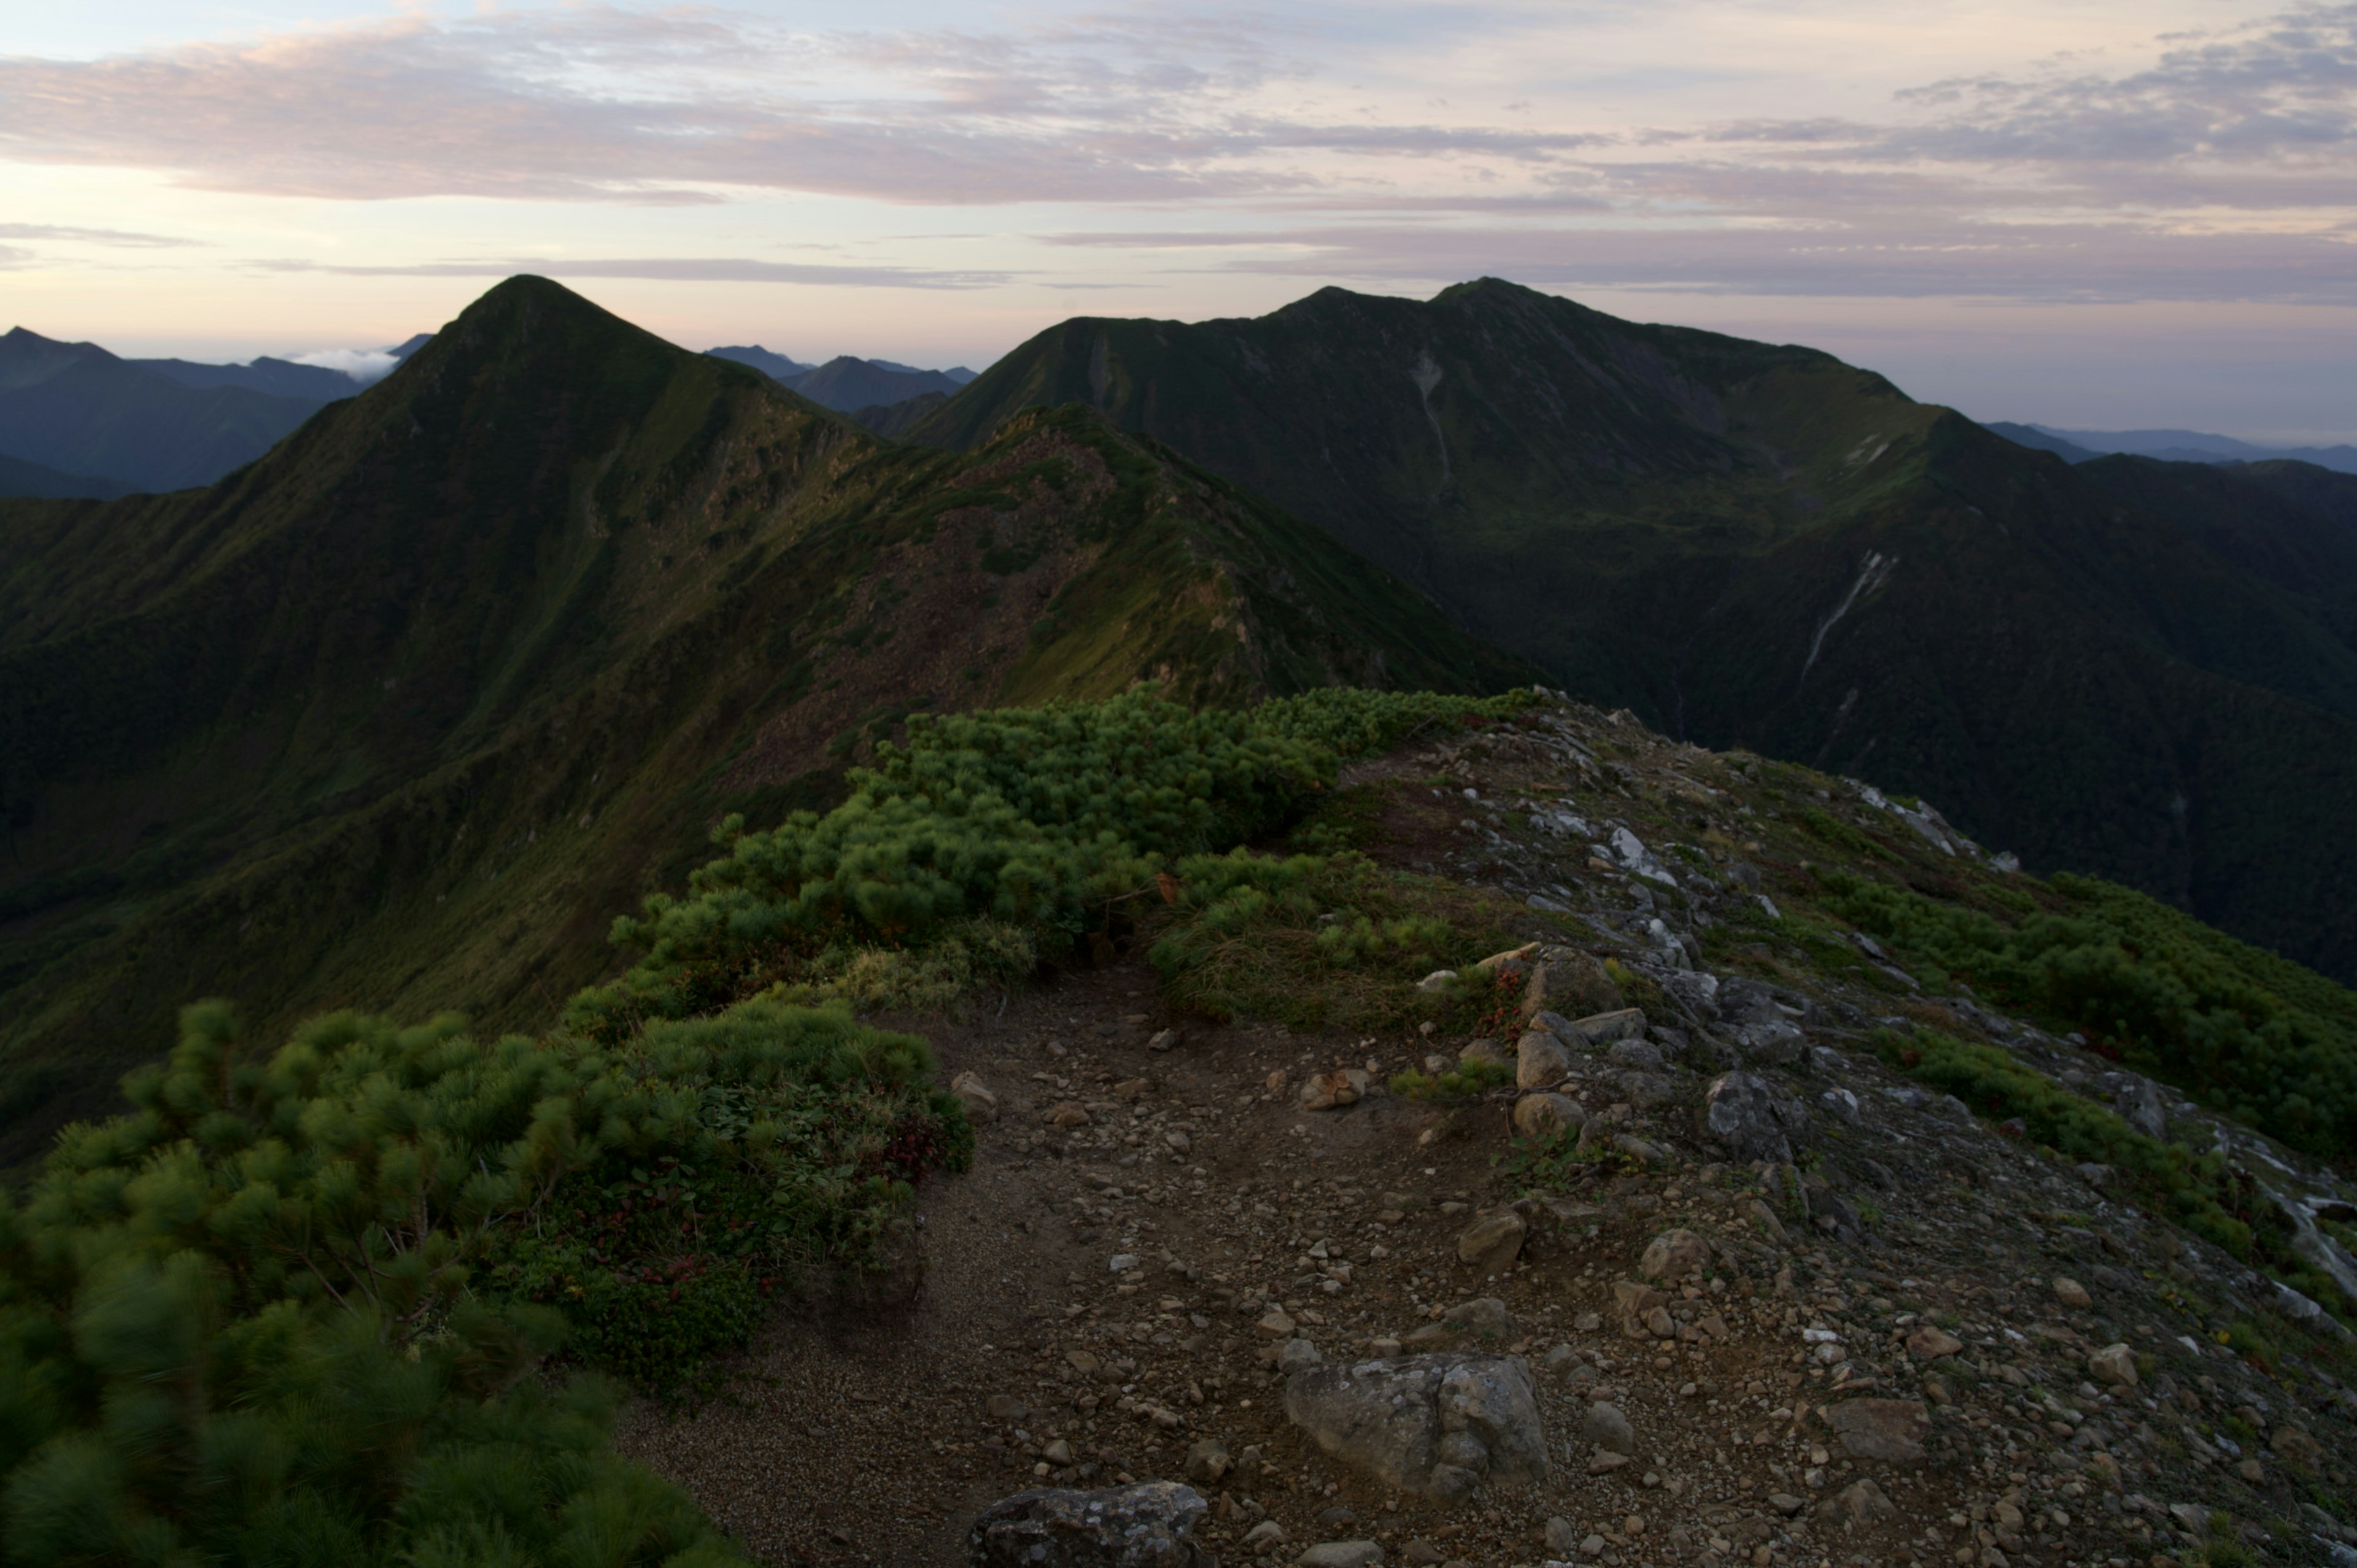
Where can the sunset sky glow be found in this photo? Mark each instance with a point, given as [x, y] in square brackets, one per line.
[2084, 213]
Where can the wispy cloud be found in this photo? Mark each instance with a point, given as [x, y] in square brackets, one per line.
[2216, 165]
[88, 236]
[662, 269]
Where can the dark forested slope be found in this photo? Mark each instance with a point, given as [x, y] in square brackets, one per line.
[1756, 545]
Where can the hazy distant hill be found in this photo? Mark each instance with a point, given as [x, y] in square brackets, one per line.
[402, 716]
[1760, 544]
[777, 367]
[77, 409]
[279, 378]
[847, 384]
[2039, 440]
[2173, 445]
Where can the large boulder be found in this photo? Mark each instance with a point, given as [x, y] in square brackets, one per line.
[1752, 1118]
[1149, 1525]
[1569, 981]
[1436, 1425]
[1676, 1255]
[1536, 1115]
[1540, 1060]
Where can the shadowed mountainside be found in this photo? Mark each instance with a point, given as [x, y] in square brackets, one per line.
[402, 716]
[1756, 544]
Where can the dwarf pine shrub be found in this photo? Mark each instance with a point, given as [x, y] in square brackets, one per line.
[2240, 1029]
[1037, 819]
[290, 1307]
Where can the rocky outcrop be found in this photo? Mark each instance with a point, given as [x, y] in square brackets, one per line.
[1438, 1425]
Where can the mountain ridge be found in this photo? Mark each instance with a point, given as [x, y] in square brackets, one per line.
[408, 708]
[1746, 542]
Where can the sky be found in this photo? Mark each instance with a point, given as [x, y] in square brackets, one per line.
[2086, 213]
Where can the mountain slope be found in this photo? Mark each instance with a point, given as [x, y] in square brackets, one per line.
[1755, 544]
[2291, 524]
[401, 715]
[76, 408]
[19, 478]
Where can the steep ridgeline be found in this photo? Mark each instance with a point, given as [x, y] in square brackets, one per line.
[1755, 544]
[402, 715]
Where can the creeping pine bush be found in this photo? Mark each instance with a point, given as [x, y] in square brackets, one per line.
[1024, 823]
[2243, 1030]
[1312, 938]
[290, 1308]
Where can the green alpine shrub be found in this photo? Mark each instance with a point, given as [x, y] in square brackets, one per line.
[1033, 820]
[2240, 1030]
[295, 1305]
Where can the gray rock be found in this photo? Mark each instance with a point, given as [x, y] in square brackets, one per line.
[1607, 1427]
[1341, 1554]
[1207, 1461]
[1562, 1538]
[1675, 1255]
[1865, 1503]
[1298, 1355]
[1149, 1525]
[1486, 1051]
[1604, 1028]
[2114, 1364]
[981, 1105]
[1264, 1535]
[1540, 1060]
[2139, 1105]
[1536, 1115]
[1493, 1241]
[1646, 1089]
[1772, 1042]
[1569, 981]
[1436, 1425]
[1888, 1430]
[1635, 1053]
[1751, 1118]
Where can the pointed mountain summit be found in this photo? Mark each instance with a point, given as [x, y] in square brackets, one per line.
[403, 714]
[1756, 545]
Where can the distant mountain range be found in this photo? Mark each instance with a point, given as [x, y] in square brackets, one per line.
[2138, 669]
[847, 384]
[2170, 445]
